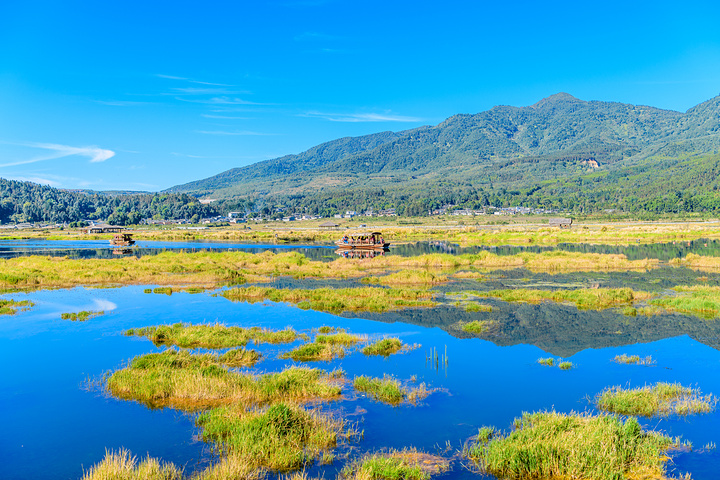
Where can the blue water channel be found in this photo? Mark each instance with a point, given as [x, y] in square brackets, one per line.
[57, 422]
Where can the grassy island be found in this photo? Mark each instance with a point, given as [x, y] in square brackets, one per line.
[556, 445]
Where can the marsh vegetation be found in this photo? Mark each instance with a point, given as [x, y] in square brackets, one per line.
[557, 445]
[11, 307]
[215, 336]
[661, 399]
[389, 389]
[81, 316]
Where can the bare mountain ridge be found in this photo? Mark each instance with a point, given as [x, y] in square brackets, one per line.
[559, 136]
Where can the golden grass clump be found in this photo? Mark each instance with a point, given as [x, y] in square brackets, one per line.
[557, 445]
[80, 316]
[192, 381]
[339, 300]
[661, 399]
[315, 351]
[124, 466]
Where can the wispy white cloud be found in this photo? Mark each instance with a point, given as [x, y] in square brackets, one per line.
[236, 133]
[173, 77]
[224, 100]
[95, 154]
[361, 117]
[206, 91]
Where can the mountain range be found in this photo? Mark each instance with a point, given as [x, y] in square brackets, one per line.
[503, 149]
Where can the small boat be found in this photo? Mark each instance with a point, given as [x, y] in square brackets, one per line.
[122, 240]
[363, 241]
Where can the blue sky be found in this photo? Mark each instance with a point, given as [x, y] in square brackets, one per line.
[139, 95]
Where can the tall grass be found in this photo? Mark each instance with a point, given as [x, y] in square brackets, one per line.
[192, 381]
[315, 351]
[408, 277]
[556, 445]
[124, 466]
[279, 437]
[187, 335]
[389, 390]
[661, 399]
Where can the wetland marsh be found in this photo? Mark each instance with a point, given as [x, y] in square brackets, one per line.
[357, 368]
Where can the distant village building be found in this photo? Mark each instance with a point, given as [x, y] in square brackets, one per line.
[560, 222]
[103, 229]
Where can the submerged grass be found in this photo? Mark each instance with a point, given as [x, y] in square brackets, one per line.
[337, 300]
[584, 299]
[389, 390]
[407, 464]
[81, 316]
[192, 381]
[662, 399]
[187, 335]
[279, 437]
[556, 445]
[11, 307]
[384, 347]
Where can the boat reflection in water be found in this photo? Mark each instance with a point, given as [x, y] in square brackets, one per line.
[122, 251]
[353, 253]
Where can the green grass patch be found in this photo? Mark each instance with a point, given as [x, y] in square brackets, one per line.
[548, 362]
[699, 300]
[81, 316]
[279, 437]
[315, 351]
[370, 299]
[565, 365]
[407, 464]
[408, 277]
[11, 307]
[556, 445]
[339, 338]
[584, 299]
[192, 381]
[661, 399]
[384, 347]
[187, 335]
[633, 359]
[389, 390]
[477, 307]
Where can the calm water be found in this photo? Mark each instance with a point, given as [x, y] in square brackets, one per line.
[54, 426]
[326, 252]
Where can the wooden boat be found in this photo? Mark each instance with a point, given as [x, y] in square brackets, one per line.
[363, 241]
[122, 240]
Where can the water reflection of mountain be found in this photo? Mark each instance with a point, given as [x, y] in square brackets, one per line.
[560, 330]
[661, 251]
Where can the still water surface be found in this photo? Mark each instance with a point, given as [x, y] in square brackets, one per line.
[54, 425]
